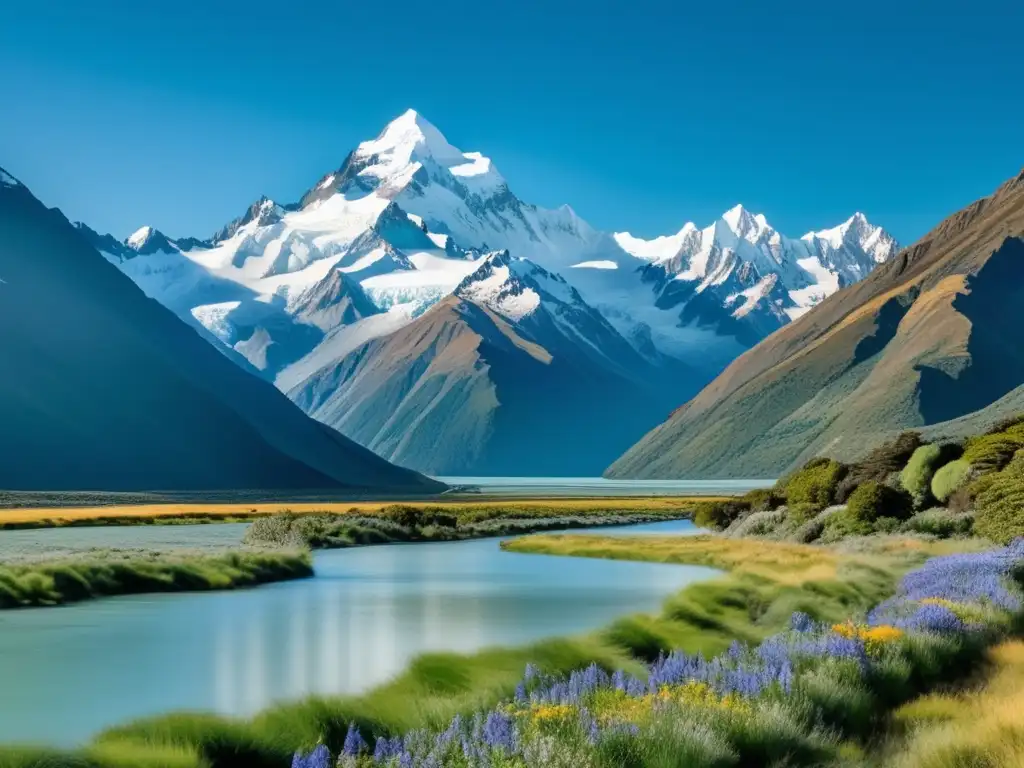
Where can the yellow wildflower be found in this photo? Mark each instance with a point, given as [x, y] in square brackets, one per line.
[873, 637]
[547, 712]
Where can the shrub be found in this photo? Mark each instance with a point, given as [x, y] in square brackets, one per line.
[758, 523]
[884, 460]
[1000, 504]
[916, 477]
[950, 478]
[990, 453]
[843, 524]
[814, 484]
[940, 522]
[764, 499]
[1013, 424]
[873, 500]
[718, 515]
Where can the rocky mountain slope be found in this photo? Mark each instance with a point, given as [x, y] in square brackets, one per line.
[512, 374]
[928, 340]
[104, 389]
[296, 289]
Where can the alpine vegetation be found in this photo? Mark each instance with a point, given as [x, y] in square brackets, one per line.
[805, 696]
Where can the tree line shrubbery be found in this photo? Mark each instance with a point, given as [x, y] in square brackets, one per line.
[907, 484]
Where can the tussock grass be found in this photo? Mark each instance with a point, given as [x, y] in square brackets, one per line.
[411, 524]
[434, 688]
[163, 514]
[111, 755]
[977, 729]
[764, 584]
[72, 579]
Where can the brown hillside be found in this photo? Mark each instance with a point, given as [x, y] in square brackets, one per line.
[927, 338]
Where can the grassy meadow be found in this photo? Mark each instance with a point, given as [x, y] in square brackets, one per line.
[981, 726]
[765, 582]
[200, 512]
[75, 578]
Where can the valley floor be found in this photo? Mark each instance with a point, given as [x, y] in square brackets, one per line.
[765, 582]
[185, 512]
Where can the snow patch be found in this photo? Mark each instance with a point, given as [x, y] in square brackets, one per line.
[341, 341]
[138, 238]
[599, 264]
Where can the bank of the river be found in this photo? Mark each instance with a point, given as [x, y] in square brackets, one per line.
[73, 578]
[193, 512]
[410, 525]
[54, 566]
[765, 584]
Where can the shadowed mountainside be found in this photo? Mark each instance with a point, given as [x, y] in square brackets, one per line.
[103, 388]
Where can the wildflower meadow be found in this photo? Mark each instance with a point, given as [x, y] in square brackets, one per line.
[806, 696]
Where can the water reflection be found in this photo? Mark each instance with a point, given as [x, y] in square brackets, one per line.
[69, 672]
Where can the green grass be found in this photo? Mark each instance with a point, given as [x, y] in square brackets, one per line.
[465, 511]
[72, 579]
[412, 524]
[979, 728]
[765, 583]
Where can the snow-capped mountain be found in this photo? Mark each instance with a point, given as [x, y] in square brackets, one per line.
[512, 373]
[408, 222]
[107, 390]
[753, 271]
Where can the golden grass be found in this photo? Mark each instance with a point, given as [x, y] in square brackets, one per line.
[49, 516]
[983, 728]
[777, 561]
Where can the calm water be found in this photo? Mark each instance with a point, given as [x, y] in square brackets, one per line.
[67, 672]
[599, 486]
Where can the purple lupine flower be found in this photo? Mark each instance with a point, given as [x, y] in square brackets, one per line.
[386, 749]
[933, 618]
[619, 680]
[318, 758]
[801, 622]
[499, 733]
[520, 695]
[354, 742]
[589, 725]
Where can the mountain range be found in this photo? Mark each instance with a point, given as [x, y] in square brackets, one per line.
[411, 300]
[928, 342]
[104, 389]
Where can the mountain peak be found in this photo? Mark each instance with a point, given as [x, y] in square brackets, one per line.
[409, 137]
[138, 238]
[742, 222]
[146, 240]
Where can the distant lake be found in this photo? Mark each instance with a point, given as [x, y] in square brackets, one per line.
[600, 486]
[66, 673]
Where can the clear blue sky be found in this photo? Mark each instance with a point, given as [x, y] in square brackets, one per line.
[642, 115]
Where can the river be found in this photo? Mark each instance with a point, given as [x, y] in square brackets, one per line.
[66, 673]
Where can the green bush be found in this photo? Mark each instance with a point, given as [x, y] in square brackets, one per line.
[843, 524]
[990, 453]
[916, 477]
[873, 500]
[1000, 504]
[942, 523]
[950, 478]
[814, 484]
[883, 461]
[764, 499]
[1013, 424]
[718, 515]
